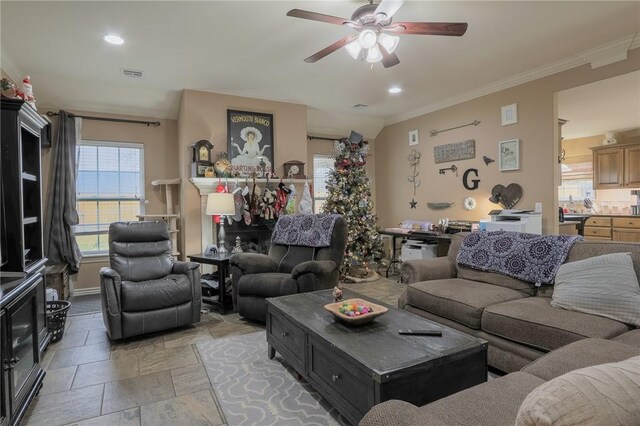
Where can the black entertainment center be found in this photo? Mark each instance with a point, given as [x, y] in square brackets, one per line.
[23, 328]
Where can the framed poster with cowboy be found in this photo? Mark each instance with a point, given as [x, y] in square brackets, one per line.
[250, 143]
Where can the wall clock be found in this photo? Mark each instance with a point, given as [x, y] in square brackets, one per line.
[469, 203]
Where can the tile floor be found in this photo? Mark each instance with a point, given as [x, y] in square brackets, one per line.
[155, 380]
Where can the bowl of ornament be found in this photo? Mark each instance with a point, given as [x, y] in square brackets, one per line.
[355, 311]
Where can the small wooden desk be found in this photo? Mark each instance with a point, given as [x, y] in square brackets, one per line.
[443, 240]
[223, 304]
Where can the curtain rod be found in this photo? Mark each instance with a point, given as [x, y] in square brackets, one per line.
[113, 120]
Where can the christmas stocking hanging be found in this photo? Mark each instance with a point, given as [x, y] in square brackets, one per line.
[306, 202]
[291, 202]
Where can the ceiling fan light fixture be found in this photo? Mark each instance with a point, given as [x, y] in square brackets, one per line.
[374, 55]
[389, 42]
[367, 39]
[354, 49]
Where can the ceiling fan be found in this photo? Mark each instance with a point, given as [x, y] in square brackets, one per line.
[376, 38]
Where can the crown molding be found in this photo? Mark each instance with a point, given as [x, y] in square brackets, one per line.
[599, 56]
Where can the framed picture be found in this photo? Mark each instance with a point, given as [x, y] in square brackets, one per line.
[509, 114]
[413, 137]
[250, 143]
[509, 155]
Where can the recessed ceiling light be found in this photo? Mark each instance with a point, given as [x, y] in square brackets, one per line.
[395, 90]
[113, 39]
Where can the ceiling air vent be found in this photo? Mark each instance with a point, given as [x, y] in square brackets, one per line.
[360, 106]
[131, 73]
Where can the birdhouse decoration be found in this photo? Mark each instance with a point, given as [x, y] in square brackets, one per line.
[294, 169]
[201, 164]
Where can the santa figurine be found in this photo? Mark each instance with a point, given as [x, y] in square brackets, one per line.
[25, 92]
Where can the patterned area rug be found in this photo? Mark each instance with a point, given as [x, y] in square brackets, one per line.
[255, 390]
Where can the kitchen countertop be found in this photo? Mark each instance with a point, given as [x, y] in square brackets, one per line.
[587, 215]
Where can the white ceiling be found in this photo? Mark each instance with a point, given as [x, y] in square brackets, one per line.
[607, 105]
[253, 49]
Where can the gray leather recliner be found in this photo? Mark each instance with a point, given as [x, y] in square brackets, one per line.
[145, 290]
[287, 269]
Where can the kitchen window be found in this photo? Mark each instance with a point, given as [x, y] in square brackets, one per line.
[109, 188]
[577, 181]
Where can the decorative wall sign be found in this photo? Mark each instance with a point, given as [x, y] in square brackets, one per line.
[250, 143]
[508, 196]
[455, 151]
[414, 161]
[414, 138]
[509, 155]
[509, 114]
[465, 179]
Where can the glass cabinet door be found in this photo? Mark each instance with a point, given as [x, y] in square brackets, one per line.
[24, 355]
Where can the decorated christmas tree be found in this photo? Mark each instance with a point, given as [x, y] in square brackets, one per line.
[349, 194]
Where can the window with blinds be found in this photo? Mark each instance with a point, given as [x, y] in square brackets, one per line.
[322, 165]
[109, 188]
[577, 180]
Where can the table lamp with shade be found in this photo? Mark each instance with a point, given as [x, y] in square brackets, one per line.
[221, 204]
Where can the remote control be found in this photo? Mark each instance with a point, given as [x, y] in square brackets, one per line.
[421, 332]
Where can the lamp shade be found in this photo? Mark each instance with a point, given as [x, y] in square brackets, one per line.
[220, 203]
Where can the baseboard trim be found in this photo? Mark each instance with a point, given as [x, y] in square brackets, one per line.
[86, 291]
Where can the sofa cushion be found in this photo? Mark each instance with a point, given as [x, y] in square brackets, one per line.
[495, 402]
[603, 285]
[606, 394]
[631, 338]
[271, 284]
[580, 354]
[171, 290]
[457, 299]
[534, 322]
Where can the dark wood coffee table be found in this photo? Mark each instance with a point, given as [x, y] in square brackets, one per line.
[355, 368]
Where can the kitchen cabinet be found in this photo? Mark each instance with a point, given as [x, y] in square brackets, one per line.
[625, 229]
[616, 167]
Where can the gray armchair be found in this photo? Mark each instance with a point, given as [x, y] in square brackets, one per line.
[287, 269]
[145, 290]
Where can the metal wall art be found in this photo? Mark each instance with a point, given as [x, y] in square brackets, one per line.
[414, 161]
[474, 182]
[508, 197]
[453, 169]
[437, 132]
[455, 151]
[439, 206]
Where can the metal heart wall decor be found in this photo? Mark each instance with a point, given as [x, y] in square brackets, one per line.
[508, 196]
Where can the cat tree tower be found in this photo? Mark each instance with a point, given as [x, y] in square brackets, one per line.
[170, 217]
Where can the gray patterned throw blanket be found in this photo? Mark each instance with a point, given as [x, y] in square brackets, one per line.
[528, 257]
[309, 230]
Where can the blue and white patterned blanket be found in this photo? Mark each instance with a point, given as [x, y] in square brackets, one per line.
[309, 230]
[528, 257]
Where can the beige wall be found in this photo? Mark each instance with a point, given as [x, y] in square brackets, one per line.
[203, 115]
[160, 154]
[536, 129]
[577, 150]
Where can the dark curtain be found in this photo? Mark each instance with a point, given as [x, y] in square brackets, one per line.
[61, 203]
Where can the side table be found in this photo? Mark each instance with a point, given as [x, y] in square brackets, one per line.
[224, 303]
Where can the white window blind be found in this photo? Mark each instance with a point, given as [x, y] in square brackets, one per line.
[109, 188]
[322, 165]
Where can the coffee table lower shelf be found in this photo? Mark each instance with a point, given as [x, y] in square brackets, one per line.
[318, 352]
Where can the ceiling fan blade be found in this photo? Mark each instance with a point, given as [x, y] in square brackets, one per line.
[313, 16]
[330, 49]
[388, 7]
[388, 59]
[455, 29]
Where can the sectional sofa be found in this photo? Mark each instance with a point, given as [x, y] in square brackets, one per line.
[518, 322]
